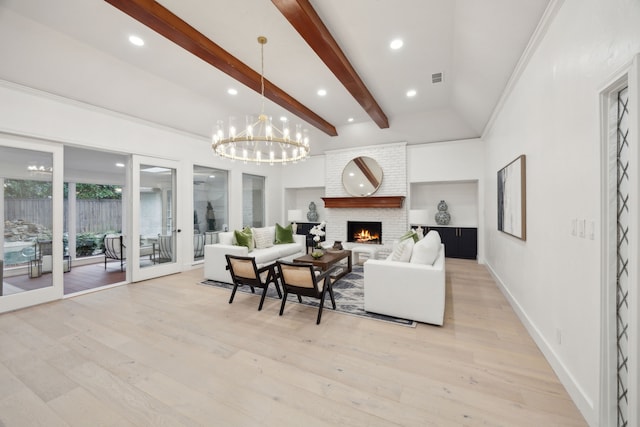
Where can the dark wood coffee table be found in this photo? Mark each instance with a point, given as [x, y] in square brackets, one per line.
[328, 260]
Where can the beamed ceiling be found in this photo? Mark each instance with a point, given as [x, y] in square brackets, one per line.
[196, 50]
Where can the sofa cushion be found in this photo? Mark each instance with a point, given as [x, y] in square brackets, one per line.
[264, 237]
[426, 250]
[284, 234]
[402, 250]
[226, 238]
[244, 238]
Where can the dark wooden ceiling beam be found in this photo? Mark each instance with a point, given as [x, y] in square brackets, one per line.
[164, 22]
[306, 21]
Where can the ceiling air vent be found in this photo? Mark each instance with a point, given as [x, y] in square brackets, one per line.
[436, 78]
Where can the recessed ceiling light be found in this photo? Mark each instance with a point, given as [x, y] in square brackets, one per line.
[212, 176]
[322, 92]
[283, 119]
[120, 165]
[350, 119]
[411, 93]
[135, 40]
[396, 44]
[232, 91]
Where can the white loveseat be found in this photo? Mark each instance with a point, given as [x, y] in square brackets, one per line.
[405, 289]
[215, 263]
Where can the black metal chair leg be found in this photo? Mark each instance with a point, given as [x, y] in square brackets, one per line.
[264, 294]
[284, 300]
[278, 289]
[299, 298]
[233, 293]
[320, 308]
[333, 301]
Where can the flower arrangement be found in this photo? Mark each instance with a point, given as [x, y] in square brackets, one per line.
[318, 232]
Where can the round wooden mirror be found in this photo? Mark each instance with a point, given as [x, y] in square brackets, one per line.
[362, 176]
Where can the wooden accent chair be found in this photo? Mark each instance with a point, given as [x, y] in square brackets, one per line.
[305, 280]
[244, 271]
[114, 248]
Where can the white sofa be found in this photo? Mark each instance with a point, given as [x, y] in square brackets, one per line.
[408, 290]
[215, 263]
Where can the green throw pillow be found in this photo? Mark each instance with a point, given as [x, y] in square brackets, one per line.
[410, 233]
[284, 234]
[244, 238]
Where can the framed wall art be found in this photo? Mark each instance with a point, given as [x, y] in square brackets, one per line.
[512, 198]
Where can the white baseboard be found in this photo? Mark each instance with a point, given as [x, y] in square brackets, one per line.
[580, 398]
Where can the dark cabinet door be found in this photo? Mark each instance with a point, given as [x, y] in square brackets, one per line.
[458, 242]
[467, 243]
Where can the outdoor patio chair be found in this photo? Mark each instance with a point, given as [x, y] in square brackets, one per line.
[115, 249]
[305, 280]
[244, 271]
[198, 245]
[163, 249]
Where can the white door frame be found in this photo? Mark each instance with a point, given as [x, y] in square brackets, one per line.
[628, 76]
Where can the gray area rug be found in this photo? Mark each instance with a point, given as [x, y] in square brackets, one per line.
[348, 292]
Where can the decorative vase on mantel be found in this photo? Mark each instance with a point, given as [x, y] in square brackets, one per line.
[442, 216]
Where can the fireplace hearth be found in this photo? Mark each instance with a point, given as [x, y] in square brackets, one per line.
[364, 232]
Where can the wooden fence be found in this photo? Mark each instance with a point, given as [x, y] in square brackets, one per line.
[96, 216]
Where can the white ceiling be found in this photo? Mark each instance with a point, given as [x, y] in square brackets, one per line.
[79, 49]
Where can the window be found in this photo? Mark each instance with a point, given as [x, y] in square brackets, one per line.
[253, 200]
[210, 206]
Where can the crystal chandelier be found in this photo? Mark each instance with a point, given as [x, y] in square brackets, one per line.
[260, 141]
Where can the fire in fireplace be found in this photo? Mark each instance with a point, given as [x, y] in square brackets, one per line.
[364, 232]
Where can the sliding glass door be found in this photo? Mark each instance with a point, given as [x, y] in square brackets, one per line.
[31, 246]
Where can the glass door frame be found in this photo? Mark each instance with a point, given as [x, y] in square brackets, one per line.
[177, 199]
[56, 291]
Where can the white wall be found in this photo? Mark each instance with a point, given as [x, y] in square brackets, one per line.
[461, 198]
[39, 115]
[448, 168]
[552, 116]
[303, 183]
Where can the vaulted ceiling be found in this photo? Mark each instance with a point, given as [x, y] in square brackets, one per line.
[196, 50]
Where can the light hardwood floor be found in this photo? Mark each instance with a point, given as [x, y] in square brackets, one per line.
[172, 352]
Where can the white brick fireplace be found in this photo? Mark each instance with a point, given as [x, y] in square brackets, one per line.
[393, 160]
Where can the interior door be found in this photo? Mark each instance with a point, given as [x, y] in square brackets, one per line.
[31, 210]
[155, 240]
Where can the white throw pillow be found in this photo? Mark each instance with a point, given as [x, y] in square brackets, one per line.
[426, 250]
[263, 237]
[434, 235]
[402, 250]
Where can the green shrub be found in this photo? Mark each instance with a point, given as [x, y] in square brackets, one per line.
[86, 244]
